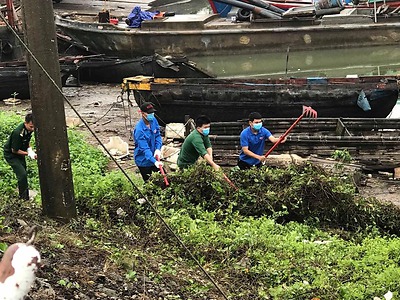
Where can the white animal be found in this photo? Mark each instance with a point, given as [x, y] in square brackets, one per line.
[17, 271]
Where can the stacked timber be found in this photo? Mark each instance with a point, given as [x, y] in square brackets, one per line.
[375, 140]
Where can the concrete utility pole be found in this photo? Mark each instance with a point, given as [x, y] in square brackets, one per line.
[48, 110]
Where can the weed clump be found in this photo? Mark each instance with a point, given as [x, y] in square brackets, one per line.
[302, 193]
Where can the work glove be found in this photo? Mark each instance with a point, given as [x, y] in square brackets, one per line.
[158, 164]
[157, 153]
[31, 153]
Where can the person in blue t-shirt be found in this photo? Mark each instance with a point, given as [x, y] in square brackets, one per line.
[252, 141]
[147, 142]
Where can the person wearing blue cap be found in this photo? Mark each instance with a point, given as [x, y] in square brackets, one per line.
[252, 141]
[148, 142]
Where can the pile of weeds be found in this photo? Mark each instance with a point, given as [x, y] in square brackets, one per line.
[302, 193]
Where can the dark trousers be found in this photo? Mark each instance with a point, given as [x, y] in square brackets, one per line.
[245, 166]
[146, 171]
[18, 164]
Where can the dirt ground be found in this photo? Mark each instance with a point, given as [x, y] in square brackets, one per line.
[104, 108]
[382, 187]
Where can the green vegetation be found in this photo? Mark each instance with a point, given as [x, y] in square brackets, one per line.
[292, 233]
[343, 156]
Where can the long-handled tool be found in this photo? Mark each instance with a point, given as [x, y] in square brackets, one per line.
[307, 111]
[162, 172]
[229, 181]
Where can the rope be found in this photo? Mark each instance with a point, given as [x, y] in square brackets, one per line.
[111, 107]
[159, 216]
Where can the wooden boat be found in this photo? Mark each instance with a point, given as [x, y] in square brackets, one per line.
[114, 70]
[14, 78]
[203, 34]
[95, 68]
[234, 99]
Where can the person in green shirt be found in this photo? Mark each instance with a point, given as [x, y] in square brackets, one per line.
[197, 144]
[15, 150]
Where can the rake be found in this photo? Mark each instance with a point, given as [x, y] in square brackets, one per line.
[307, 111]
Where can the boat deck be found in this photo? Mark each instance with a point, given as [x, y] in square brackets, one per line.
[180, 22]
[205, 34]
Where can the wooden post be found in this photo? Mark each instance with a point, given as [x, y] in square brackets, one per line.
[48, 111]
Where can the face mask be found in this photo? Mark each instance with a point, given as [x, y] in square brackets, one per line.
[206, 131]
[257, 126]
[150, 117]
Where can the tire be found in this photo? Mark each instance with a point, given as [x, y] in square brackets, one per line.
[243, 15]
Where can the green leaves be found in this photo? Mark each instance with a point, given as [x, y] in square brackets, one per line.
[287, 233]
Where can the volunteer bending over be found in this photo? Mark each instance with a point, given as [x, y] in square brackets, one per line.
[197, 144]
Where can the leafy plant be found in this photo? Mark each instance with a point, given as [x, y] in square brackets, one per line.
[343, 156]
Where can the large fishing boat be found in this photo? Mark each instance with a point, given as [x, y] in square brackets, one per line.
[234, 99]
[210, 34]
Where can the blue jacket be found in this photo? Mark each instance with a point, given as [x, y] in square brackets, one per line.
[147, 140]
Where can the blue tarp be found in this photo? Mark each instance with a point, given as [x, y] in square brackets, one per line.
[137, 16]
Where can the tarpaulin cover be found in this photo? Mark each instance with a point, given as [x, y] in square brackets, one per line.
[137, 16]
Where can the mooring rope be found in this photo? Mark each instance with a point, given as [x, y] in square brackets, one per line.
[158, 214]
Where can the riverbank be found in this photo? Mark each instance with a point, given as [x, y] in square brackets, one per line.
[116, 248]
[101, 106]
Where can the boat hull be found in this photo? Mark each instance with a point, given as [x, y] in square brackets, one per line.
[114, 70]
[231, 100]
[14, 75]
[14, 79]
[209, 35]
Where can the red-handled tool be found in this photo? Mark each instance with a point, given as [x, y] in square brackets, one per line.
[162, 172]
[229, 182]
[307, 111]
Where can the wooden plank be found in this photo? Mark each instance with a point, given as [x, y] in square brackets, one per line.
[341, 129]
[397, 173]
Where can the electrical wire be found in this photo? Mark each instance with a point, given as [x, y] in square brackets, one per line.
[158, 214]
